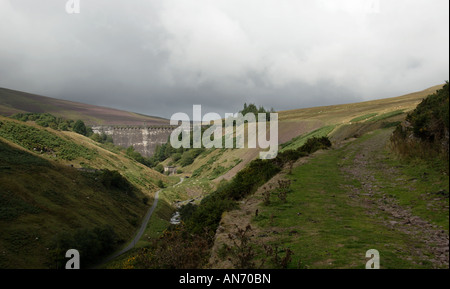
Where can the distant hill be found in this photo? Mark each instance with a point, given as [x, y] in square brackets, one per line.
[12, 102]
[296, 126]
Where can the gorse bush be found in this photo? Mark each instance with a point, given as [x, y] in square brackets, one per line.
[315, 144]
[430, 120]
[426, 130]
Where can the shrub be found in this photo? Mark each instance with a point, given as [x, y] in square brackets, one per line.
[160, 184]
[242, 252]
[186, 159]
[80, 128]
[426, 129]
[315, 144]
[176, 157]
[159, 168]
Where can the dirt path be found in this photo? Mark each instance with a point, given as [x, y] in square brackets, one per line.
[141, 230]
[366, 162]
[363, 159]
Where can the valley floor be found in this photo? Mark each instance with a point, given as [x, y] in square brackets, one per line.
[343, 202]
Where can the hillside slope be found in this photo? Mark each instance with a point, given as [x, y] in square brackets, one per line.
[12, 102]
[55, 184]
[295, 126]
[360, 195]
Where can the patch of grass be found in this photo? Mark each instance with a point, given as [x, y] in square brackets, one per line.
[421, 185]
[387, 115]
[159, 222]
[334, 231]
[364, 117]
[12, 206]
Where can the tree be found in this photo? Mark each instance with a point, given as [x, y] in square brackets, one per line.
[80, 127]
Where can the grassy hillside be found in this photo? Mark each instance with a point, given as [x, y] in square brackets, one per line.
[52, 184]
[340, 203]
[296, 126]
[57, 186]
[12, 102]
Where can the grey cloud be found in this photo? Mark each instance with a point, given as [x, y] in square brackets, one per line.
[162, 56]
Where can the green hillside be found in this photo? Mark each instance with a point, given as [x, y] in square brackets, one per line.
[304, 209]
[359, 195]
[60, 188]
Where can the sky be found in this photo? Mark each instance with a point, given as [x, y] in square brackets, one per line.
[160, 57]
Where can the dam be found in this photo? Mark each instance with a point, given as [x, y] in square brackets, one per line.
[144, 139]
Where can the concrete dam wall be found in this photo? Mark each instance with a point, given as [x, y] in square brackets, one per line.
[143, 139]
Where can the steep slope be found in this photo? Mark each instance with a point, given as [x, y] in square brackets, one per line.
[56, 184]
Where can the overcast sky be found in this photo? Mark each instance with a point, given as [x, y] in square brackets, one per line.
[159, 57]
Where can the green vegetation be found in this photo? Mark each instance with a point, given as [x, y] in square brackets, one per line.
[251, 108]
[160, 184]
[247, 181]
[422, 185]
[80, 127]
[56, 123]
[319, 216]
[133, 154]
[200, 222]
[364, 117]
[386, 115]
[35, 198]
[337, 224]
[425, 134]
[12, 207]
[60, 188]
[102, 138]
[301, 140]
[93, 244]
[43, 141]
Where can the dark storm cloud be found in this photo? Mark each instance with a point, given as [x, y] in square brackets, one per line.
[163, 56]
